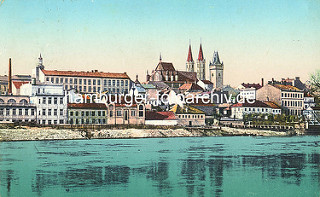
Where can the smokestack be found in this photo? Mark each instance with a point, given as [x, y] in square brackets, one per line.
[10, 78]
[262, 82]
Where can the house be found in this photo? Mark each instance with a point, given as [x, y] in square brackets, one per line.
[248, 90]
[84, 82]
[16, 108]
[50, 101]
[166, 118]
[87, 113]
[296, 82]
[309, 101]
[121, 113]
[290, 98]
[16, 86]
[189, 116]
[240, 109]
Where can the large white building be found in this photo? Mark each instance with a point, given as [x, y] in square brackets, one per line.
[50, 101]
[84, 82]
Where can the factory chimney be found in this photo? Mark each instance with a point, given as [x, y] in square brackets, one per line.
[10, 78]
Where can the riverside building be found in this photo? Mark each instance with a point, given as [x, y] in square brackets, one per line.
[84, 82]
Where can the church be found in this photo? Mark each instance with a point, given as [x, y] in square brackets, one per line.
[215, 67]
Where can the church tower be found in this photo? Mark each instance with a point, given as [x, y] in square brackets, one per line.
[201, 65]
[216, 71]
[190, 62]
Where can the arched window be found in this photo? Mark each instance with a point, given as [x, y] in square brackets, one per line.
[140, 107]
[11, 101]
[1, 101]
[23, 101]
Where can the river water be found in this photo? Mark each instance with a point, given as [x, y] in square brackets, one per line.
[204, 166]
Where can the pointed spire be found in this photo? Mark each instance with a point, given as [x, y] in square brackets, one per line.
[200, 57]
[40, 58]
[216, 59]
[189, 59]
[160, 58]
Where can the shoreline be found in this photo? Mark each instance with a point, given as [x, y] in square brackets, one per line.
[46, 134]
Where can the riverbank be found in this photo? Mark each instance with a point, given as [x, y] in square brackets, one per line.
[47, 133]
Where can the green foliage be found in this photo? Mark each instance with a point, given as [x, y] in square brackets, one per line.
[270, 119]
[315, 81]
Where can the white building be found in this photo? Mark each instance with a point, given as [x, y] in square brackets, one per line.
[248, 93]
[308, 101]
[84, 82]
[240, 109]
[50, 101]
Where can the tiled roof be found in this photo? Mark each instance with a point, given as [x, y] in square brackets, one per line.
[187, 76]
[256, 103]
[272, 105]
[18, 84]
[251, 85]
[190, 86]
[200, 57]
[153, 115]
[286, 87]
[185, 110]
[87, 106]
[85, 74]
[189, 59]
[166, 66]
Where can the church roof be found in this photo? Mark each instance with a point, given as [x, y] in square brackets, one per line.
[190, 59]
[166, 66]
[200, 57]
[216, 59]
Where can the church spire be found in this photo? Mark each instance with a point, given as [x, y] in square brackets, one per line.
[189, 59]
[160, 58]
[200, 57]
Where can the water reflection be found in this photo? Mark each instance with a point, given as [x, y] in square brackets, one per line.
[198, 170]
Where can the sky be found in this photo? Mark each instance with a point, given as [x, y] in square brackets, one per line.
[255, 39]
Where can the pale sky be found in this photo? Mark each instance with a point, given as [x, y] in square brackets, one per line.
[255, 39]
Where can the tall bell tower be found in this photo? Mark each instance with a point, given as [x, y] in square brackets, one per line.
[216, 71]
[190, 62]
[201, 65]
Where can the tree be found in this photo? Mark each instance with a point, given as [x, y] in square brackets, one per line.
[315, 81]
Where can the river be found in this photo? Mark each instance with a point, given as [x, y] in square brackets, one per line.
[198, 166]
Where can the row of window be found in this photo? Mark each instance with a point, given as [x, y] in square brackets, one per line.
[50, 112]
[292, 103]
[291, 95]
[51, 100]
[49, 122]
[87, 121]
[14, 112]
[23, 101]
[96, 89]
[190, 116]
[106, 82]
[88, 113]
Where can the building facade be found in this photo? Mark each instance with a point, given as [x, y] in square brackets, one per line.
[216, 71]
[84, 82]
[189, 116]
[122, 114]
[15, 108]
[50, 101]
[87, 113]
[290, 98]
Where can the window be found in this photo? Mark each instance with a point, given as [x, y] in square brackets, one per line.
[77, 113]
[80, 81]
[119, 113]
[55, 100]
[49, 121]
[118, 83]
[43, 112]
[122, 82]
[98, 81]
[89, 81]
[93, 113]
[55, 112]
[14, 112]
[126, 82]
[57, 80]
[93, 82]
[71, 113]
[47, 79]
[1, 111]
[103, 113]
[66, 80]
[94, 88]
[49, 100]
[75, 81]
[111, 113]
[61, 112]
[99, 113]
[105, 82]
[55, 122]
[87, 113]
[61, 100]
[11, 101]
[89, 89]
[85, 81]
[61, 80]
[26, 112]
[49, 112]
[80, 88]
[70, 80]
[113, 82]
[44, 100]
[52, 79]
[109, 82]
[85, 88]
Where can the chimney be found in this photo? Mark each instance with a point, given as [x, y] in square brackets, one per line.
[262, 82]
[9, 78]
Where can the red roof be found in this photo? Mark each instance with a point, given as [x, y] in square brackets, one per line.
[190, 86]
[206, 82]
[189, 59]
[153, 115]
[272, 104]
[200, 57]
[85, 74]
[18, 84]
[87, 106]
[166, 66]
